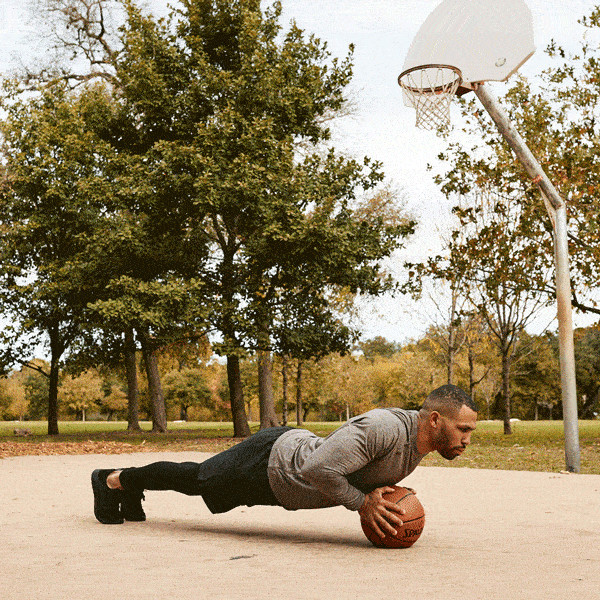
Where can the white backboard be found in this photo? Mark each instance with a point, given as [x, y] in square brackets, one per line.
[488, 40]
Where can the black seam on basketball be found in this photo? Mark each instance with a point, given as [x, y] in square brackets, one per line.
[412, 520]
[406, 496]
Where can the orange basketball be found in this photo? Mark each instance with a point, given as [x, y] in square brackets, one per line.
[413, 521]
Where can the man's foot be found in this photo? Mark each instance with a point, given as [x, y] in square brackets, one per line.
[106, 501]
[131, 506]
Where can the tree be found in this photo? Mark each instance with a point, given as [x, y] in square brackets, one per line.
[477, 347]
[81, 41]
[503, 292]
[68, 238]
[557, 115]
[378, 346]
[299, 393]
[494, 254]
[285, 378]
[573, 88]
[211, 108]
[187, 388]
[114, 402]
[406, 378]
[335, 255]
[35, 382]
[587, 353]
[447, 335]
[132, 382]
[81, 393]
[244, 95]
[536, 376]
[13, 397]
[50, 198]
[127, 242]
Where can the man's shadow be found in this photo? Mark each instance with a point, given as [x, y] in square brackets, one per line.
[260, 531]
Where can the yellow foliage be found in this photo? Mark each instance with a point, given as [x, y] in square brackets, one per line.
[82, 392]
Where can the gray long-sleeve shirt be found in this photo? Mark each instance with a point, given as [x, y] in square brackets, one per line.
[371, 450]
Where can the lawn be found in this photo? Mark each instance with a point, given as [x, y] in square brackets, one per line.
[533, 446]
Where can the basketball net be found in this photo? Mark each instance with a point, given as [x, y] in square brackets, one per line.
[430, 88]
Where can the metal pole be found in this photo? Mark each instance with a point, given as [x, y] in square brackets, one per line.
[565, 341]
[558, 214]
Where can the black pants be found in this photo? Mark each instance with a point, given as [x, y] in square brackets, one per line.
[235, 477]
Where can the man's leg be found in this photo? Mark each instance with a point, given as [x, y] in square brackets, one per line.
[118, 493]
[235, 477]
[163, 475]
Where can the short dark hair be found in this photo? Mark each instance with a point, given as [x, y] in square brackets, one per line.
[446, 400]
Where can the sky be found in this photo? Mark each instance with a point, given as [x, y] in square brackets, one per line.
[381, 127]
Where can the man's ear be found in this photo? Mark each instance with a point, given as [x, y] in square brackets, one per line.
[434, 419]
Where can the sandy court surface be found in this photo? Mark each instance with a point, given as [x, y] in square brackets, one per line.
[489, 535]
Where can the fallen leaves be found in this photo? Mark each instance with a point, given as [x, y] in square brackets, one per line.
[31, 448]
[8, 449]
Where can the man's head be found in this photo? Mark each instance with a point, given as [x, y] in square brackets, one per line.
[446, 420]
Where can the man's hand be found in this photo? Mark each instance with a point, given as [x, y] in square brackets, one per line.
[380, 514]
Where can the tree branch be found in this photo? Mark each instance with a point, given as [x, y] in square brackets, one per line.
[33, 367]
[583, 307]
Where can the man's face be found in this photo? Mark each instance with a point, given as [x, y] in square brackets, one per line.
[454, 432]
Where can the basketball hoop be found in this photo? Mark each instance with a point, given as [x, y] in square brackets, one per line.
[429, 89]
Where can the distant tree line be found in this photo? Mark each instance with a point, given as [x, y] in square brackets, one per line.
[378, 373]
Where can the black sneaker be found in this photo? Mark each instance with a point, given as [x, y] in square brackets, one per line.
[131, 506]
[106, 501]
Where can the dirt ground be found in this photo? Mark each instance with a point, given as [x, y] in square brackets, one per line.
[489, 535]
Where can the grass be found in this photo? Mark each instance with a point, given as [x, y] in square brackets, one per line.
[533, 445]
[113, 438]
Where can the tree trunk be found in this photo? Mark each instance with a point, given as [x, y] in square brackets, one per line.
[452, 339]
[506, 390]
[133, 404]
[471, 372]
[234, 377]
[236, 397]
[159, 411]
[157, 399]
[284, 393]
[268, 417]
[53, 396]
[266, 402]
[57, 347]
[299, 394]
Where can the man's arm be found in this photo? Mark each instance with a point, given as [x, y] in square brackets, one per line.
[345, 452]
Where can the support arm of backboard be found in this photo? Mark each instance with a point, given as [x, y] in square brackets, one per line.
[558, 214]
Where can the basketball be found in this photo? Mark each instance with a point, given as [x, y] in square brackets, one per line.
[413, 521]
